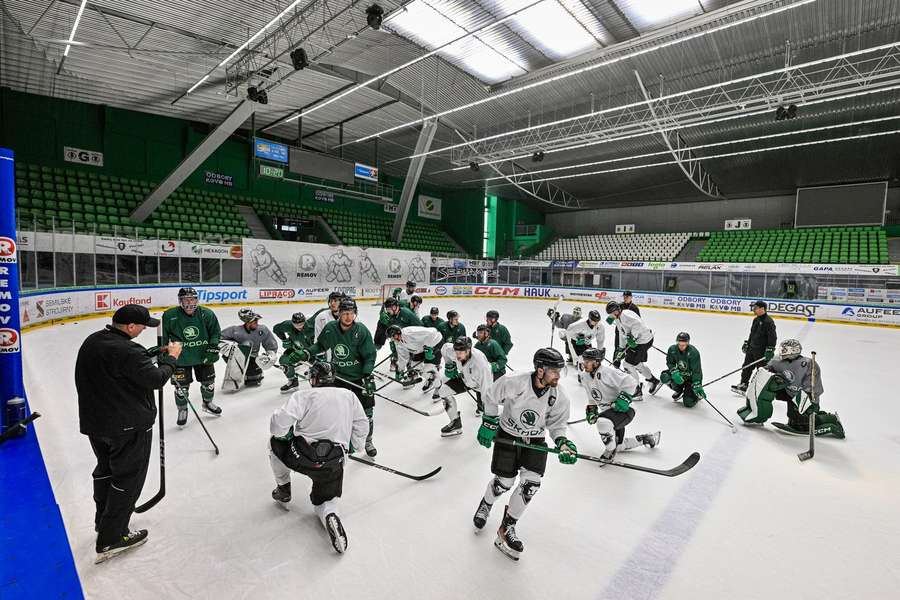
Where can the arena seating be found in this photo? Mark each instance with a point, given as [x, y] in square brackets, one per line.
[853, 245]
[637, 246]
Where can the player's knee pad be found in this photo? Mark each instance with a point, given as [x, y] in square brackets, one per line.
[181, 395]
[607, 431]
[501, 485]
[207, 390]
[529, 484]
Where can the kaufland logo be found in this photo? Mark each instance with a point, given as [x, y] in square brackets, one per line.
[7, 250]
[102, 301]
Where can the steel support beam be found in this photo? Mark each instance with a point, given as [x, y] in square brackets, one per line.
[426, 136]
[170, 183]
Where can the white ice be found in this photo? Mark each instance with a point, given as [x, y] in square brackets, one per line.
[750, 521]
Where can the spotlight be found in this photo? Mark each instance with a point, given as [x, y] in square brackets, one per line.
[474, 166]
[299, 59]
[537, 156]
[780, 114]
[791, 111]
[374, 16]
[256, 95]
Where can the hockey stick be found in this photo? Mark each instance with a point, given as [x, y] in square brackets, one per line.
[14, 430]
[162, 444]
[685, 466]
[205, 430]
[733, 372]
[808, 454]
[395, 471]
[553, 320]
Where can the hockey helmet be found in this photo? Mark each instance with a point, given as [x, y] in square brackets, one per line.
[483, 328]
[188, 299]
[576, 312]
[391, 303]
[492, 314]
[594, 316]
[334, 296]
[393, 330]
[789, 349]
[410, 284]
[321, 373]
[548, 358]
[415, 299]
[612, 307]
[683, 336]
[452, 314]
[462, 343]
[247, 315]
[592, 354]
[298, 317]
[347, 304]
[434, 310]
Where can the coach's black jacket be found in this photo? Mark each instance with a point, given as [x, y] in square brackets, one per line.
[115, 379]
[762, 334]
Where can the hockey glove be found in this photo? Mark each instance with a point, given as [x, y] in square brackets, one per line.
[567, 450]
[770, 354]
[699, 391]
[610, 319]
[287, 344]
[745, 346]
[429, 353]
[286, 437]
[622, 402]
[368, 384]
[298, 356]
[591, 413]
[212, 355]
[617, 359]
[488, 430]
[631, 342]
[495, 367]
[450, 371]
[580, 340]
[550, 313]
[384, 318]
[676, 376]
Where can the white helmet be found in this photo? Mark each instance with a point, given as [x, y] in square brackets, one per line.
[789, 349]
[576, 312]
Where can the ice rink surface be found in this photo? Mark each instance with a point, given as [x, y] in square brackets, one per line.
[748, 522]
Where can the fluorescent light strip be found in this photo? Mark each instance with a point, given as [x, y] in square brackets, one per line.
[588, 68]
[704, 88]
[711, 157]
[428, 54]
[244, 45]
[692, 148]
[687, 126]
[75, 27]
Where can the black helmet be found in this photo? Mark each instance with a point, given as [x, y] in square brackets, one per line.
[391, 302]
[548, 357]
[393, 330]
[612, 307]
[483, 327]
[462, 343]
[492, 314]
[321, 373]
[683, 336]
[347, 304]
[452, 314]
[594, 316]
[416, 299]
[592, 354]
[298, 317]
[187, 292]
[410, 284]
[335, 296]
[434, 310]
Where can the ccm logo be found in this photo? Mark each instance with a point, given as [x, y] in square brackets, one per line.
[483, 290]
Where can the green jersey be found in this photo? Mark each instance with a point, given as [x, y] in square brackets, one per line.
[352, 351]
[433, 322]
[500, 334]
[495, 355]
[285, 331]
[404, 318]
[688, 362]
[197, 333]
[451, 332]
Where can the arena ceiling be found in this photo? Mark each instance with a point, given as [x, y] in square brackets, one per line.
[566, 78]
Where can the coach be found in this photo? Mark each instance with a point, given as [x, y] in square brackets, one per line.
[115, 378]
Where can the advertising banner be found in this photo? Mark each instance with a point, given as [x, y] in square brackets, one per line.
[270, 150]
[280, 264]
[792, 268]
[101, 244]
[11, 385]
[429, 207]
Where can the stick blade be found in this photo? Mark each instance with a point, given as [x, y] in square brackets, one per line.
[804, 456]
[689, 463]
[427, 475]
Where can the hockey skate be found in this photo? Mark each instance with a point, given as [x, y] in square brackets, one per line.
[651, 440]
[739, 389]
[130, 540]
[410, 378]
[638, 395]
[370, 448]
[290, 385]
[429, 382]
[507, 541]
[452, 428]
[211, 408]
[336, 532]
[481, 515]
[182, 416]
[677, 396]
[282, 495]
[655, 384]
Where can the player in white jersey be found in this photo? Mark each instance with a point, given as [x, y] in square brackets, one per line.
[635, 339]
[609, 393]
[532, 403]
[326, 316]
[407, 293]
[580, 335]
[418, 350]
[310, 435]
[467, 368]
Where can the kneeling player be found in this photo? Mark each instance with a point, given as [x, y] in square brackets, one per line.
[310, 434]
[421, 345]
[684, 375]
[635, 340]
[532, 402]
[609, 392]
[294, 334]
[789, 377]
[251, 337]
[467, 369]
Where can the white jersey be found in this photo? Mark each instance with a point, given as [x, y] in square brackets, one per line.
[413, 340]
[605, 384]
[583, 327]
[404, 295]
[629, 323]
[476, 373]
[325, 413]
[322, 319]
[525, 414]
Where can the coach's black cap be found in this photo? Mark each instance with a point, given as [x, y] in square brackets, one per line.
[759, 304]
[134, 313]
[627, 293]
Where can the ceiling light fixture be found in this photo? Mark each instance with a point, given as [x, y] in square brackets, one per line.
[74, 27]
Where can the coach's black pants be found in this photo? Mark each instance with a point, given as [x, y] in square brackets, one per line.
[752, 355]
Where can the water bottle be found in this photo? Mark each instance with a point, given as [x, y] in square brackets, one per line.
[15, 414]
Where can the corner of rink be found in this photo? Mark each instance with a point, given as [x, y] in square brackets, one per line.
[35, 557]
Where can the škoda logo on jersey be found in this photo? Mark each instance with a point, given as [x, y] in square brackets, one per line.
[191, 332]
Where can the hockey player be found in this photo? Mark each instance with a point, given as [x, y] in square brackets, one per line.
[353, 359]
[452, 329]
[404, 294]
[293, 334]
[257, 337]
[609, 393]
[562, 322]
[499, 332]
[432, 319]
[635, 339]
[684, 374]
[789, 377]
[197, 328]
[418, 344]
[415, 302]
[627, 304]
[531, 402]
[466, 368]
[492, 351]
[393, 314]
[323, 316]
[310, 435]
[581, 334]
[760, 344]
